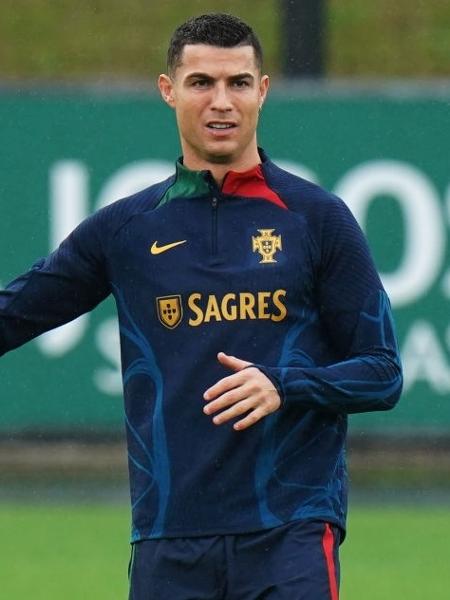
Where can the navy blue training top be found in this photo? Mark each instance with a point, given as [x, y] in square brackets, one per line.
[270, 268]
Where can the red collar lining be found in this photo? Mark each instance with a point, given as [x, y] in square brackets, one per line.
[251, 184]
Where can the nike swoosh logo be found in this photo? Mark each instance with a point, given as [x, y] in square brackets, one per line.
[155, 249]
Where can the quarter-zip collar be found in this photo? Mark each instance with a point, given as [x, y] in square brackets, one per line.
[188, 183]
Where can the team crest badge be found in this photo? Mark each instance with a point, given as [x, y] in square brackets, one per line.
[170, 310]
[266, 244]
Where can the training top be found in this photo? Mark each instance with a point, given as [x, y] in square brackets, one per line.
[269, 268]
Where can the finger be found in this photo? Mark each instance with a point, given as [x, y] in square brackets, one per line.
[227, 399]
[235, 411]
[231, 362]
[224, 385]
[251, 419]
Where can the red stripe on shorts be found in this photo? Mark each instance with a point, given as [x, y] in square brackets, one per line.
[328, 549]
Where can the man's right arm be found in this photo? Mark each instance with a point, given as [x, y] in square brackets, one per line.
[69, 282]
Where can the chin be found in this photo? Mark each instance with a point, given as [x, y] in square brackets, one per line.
[221, 153]
[219, 158]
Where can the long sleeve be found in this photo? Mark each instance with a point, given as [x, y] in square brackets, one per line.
[355, 314]
[57, 289]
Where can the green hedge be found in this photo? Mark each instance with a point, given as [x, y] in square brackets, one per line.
[86, 39]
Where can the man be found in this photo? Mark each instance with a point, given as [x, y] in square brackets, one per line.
[252, 322]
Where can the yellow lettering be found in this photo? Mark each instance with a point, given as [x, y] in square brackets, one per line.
[278, 294]
[195, 309]
[246, 305]
[263, 305]
[229, 312]
[212, 309]
[232, 306]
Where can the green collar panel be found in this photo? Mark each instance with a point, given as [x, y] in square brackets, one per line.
[187, 184]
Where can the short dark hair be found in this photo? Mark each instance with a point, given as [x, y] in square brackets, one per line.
[216, 29]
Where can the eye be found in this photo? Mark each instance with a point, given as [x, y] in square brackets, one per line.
[241, 83]
[200, 83]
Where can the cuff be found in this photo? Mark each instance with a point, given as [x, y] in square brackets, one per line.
[267, 371]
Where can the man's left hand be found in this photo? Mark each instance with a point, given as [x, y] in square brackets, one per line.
[248, 391]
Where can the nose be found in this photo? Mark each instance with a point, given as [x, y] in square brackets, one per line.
[221, 100]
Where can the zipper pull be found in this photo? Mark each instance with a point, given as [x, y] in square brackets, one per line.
[214, 202]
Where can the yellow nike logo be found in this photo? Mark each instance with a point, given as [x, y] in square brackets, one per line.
[155, 249]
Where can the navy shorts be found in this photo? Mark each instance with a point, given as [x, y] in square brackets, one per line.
[296, 561]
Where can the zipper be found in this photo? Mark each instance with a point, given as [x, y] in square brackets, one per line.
[214, 207]
[215, 192]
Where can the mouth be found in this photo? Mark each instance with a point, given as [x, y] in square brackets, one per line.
[221, 125]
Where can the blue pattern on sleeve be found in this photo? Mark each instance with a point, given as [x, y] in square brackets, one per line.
[154, 460]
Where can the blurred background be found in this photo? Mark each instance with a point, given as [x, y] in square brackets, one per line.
[360, 103]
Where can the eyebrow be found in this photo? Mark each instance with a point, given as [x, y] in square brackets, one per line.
[199, 75]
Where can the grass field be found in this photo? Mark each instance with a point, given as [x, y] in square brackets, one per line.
[81, 553]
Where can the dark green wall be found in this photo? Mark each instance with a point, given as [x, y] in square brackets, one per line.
[387, 153]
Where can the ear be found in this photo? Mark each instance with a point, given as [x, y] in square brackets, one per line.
[263, 89]
[165, 85]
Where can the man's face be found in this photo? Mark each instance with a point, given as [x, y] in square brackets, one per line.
[216, 93]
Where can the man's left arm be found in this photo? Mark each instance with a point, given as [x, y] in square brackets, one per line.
[369, 378]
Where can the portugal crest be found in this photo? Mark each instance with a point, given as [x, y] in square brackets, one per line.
[266, 244]
[170, 310]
